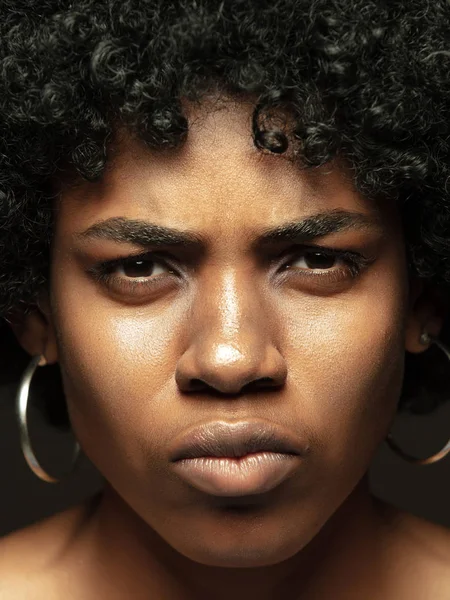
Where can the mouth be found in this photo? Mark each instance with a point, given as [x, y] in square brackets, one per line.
[236, 459]
[234, 440]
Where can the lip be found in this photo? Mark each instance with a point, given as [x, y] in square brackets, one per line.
[254, 474]
[234, 440]
[236, 459]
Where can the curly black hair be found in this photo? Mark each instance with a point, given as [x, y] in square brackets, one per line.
[365, 81]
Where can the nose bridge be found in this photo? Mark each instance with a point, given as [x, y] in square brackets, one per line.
[230, 304]
[230, 311]
[231, 342]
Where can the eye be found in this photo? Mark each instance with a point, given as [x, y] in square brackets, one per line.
[139, 267]
[133, 274]
[321, 263]
[317, 260]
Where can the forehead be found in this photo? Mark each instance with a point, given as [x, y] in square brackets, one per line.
[218, 181]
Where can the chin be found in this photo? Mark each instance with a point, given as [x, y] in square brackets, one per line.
[240, 539]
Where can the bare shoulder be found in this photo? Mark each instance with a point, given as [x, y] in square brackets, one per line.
[421, 536]
[29, 554]
[420, 549]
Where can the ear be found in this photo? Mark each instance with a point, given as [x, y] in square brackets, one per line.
[34, 331]
[427, 310]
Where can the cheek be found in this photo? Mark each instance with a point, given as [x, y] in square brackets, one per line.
[347, 361]
[117, 371]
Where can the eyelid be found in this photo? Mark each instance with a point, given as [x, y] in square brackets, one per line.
[355, 263]
[286, 255]
[157, 257]
[171, 260]
[342, 253]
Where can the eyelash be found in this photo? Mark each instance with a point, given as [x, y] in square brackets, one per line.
[355, 263]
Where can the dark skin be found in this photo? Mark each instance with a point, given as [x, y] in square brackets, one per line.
[226, 315]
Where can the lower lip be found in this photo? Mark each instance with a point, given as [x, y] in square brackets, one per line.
[224, 476]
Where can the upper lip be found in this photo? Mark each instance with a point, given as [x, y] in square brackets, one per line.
[224, 439]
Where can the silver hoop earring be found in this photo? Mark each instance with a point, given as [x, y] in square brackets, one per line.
[425, 338]
[21, 413]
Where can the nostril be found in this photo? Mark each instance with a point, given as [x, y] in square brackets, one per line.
[197, 385]
[263, 382]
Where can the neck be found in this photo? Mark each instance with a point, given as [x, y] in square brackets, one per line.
[137, 560]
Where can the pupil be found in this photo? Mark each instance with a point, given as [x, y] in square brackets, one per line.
[138, 268]
[317, 260]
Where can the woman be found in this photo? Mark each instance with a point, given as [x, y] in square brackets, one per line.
[227, 224]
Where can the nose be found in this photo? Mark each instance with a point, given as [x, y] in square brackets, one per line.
[232, 341]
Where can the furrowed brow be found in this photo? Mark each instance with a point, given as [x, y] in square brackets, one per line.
[144, 233]
[318, 225]
[141, 233]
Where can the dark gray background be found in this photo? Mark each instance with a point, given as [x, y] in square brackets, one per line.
[424, 490]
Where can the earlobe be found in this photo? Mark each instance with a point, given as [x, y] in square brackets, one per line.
[35, 333]
[426, 313]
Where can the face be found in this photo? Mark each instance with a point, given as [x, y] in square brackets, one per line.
[153, 348]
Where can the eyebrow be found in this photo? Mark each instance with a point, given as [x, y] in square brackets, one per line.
[144, 233]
